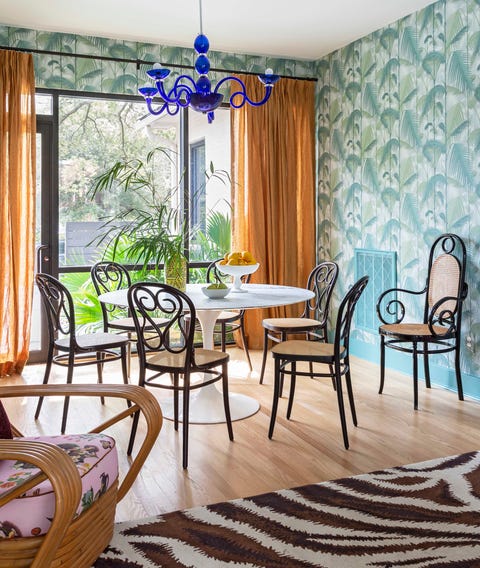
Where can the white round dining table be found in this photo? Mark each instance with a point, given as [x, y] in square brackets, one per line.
[206, 404]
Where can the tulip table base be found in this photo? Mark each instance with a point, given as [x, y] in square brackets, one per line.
[206, 406]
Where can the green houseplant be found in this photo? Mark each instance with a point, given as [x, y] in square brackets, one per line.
[146, 225]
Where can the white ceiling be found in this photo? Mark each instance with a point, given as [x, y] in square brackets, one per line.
[299, 29]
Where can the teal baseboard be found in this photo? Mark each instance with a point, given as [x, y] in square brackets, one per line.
[440, 376]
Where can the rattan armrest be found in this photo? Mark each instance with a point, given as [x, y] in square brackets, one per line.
[143, 402]
[62, 473]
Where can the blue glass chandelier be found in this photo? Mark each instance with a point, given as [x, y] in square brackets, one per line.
[198, 94]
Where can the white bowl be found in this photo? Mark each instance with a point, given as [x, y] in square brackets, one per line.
[237, 271]
[215, 292]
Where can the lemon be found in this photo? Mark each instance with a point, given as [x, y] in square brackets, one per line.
[248, 258]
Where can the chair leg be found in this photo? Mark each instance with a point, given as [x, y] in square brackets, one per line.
[226, 401]
[264, 358]
[125, 358]
[185, 420]
[348, 381]
[100, 356]
[458, 372]
[136, 416]
[66, 402]
[245, 346]
[175, 401]
[283, 337]
[276, 396]
[341, 407]
[133, 433]
[48, 368]
[415, 375]
[293, 382]
[129, 355]
[382, 364]
[426, 365]
[332, 373]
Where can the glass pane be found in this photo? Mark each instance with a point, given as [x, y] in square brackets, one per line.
[210, 211]
[94, 135]
[43, 104]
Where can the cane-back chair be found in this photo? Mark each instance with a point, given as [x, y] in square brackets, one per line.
[287, 354]
[70, 349]
[228, 321]
[58, 494]
[107, 277]
[168, 350]
[439, 330]
[313, 321]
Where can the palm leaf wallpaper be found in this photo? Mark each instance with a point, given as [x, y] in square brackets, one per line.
[398, 135]
[398, 144]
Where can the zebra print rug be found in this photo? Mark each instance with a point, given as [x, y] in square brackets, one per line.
[426, 514]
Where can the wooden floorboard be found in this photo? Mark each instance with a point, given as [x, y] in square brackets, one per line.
[306, 449]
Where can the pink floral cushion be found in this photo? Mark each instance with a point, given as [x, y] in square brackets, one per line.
[95, 456]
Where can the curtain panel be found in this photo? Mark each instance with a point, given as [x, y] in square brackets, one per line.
[273, 189]
[17, 207]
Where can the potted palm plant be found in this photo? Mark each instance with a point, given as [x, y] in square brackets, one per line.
[150, 225]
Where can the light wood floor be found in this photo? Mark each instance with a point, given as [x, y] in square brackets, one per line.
[306, 449]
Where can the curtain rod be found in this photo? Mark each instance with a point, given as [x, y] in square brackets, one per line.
[139, 62]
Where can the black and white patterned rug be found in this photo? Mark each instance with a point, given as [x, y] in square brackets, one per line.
[423, 515]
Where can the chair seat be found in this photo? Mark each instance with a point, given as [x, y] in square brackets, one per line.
[228, 315]
[94, 341]
[95, 456]
[306, 350]
[225, 316]
[290, 324]
[204, 358]
[412, 331]
[122, 323]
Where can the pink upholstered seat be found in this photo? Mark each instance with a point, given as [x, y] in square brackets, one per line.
[95, 457]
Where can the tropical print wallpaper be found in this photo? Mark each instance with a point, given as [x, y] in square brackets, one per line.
[399, 152]
[118, 67]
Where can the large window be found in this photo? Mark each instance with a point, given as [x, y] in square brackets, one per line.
[81, 137]
[96, 134]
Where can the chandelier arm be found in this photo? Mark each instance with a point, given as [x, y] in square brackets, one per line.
[158, 110]
[242, 93]
[171, 109]
[178, 90]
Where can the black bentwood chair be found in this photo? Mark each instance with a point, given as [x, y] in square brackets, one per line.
[439, 331]
[69, 349]
[335, 355]
[229, 320]
[109, 276]
[168, 350]
[313, 321]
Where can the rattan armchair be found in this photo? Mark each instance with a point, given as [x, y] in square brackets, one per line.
[73, 540]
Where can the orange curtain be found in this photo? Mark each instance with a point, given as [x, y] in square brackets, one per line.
[273, 189]
[17, 207]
